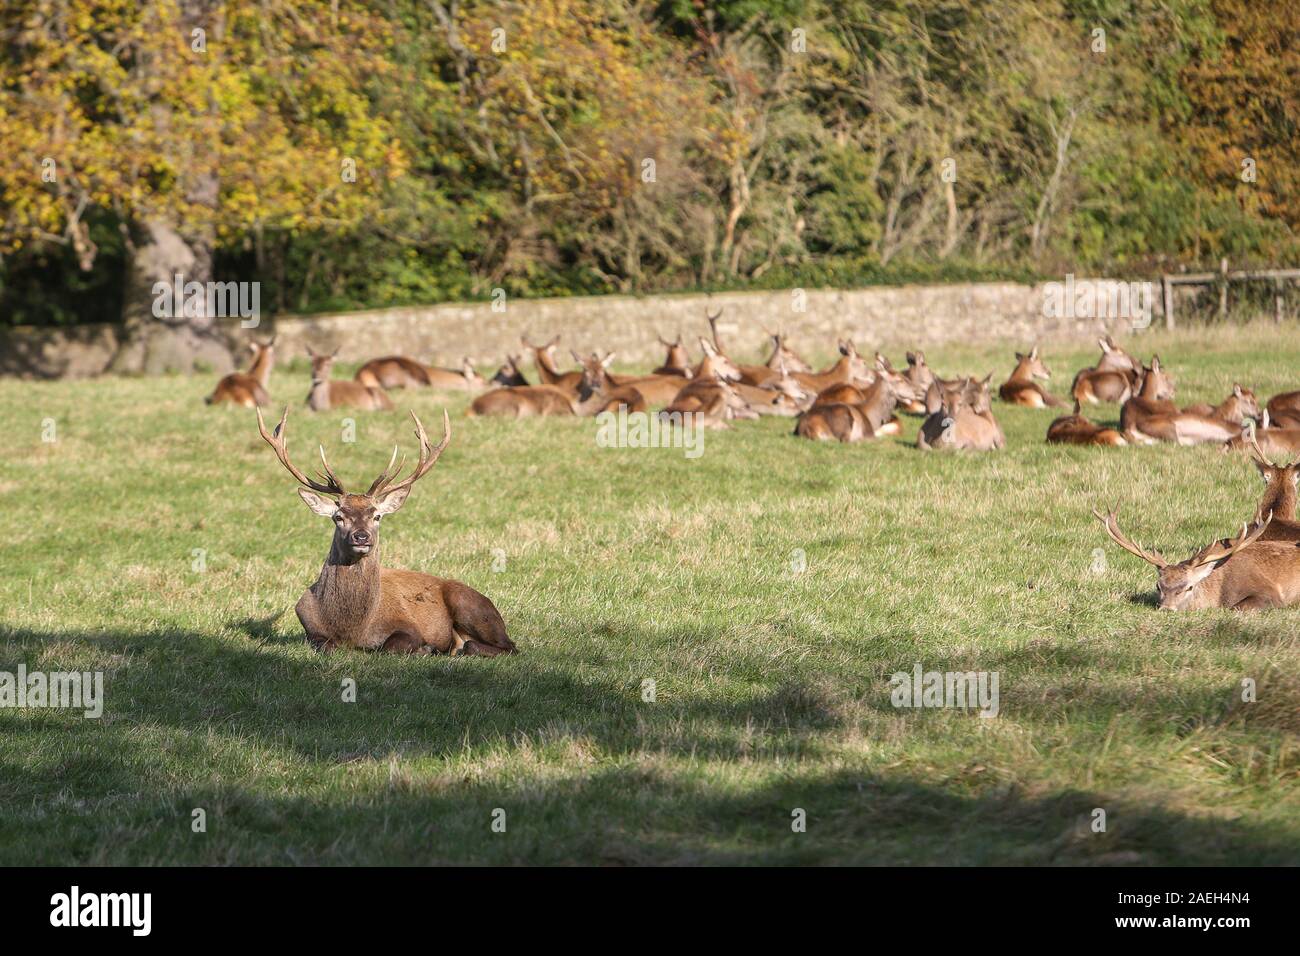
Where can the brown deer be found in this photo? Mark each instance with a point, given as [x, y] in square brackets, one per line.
[919, 376]
[510, 373]
[524, 401]
[1275, 442]
[910, 396]
[327, 393]
[548, 372]
[1074, 429]
[1279, 489]
[1241, 573]
[963, 420]
[677, 362]
[1284, 409]
[356, 602]
[1112, 379]
[248, 388]
[1150, 421]
[714, 399]
[1021, 389]
[871, 416]
[397, 371]
[782, 395]
[1152, 399]
[849, 368]
[596, 393]
[1237, 407]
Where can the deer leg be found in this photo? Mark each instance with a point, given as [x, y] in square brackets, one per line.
[477, 620]
[399, 642]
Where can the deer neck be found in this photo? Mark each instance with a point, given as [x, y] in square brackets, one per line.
[348, 588]
[546, 368]
[261, 367]
[1150, 387]
[1021, 374]
[1229, 410]
[1279, 497]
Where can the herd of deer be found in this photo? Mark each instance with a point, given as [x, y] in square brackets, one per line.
[356, 603]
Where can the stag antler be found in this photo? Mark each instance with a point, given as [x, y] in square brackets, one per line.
[1227, 547]
[330, 486]
[1110, 521]
[428, 458]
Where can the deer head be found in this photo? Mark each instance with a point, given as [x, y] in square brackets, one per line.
[321, 363]
[1033, 364]
[356, 516]
[1177, 583]
[1155, 382]
[595, 374]
[1114, 358]
[717, 364]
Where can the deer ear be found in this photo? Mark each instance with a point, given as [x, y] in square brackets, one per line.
[325, 507]
[607, 360]
[390, 501]
[1236, 390]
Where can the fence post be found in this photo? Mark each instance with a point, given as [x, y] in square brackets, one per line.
[1223, 289]
[1169, 301]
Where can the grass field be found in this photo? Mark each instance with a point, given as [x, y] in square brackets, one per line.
[614, 566]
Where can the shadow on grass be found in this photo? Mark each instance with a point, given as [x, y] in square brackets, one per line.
[245, 729]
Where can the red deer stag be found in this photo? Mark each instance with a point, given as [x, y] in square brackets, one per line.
[1241, 573]
[677, 361]
[248, 388]
[327, 393]
[356, 602]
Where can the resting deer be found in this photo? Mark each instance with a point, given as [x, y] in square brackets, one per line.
[870, 416]
[356, 602]
[677, 362]
[327, 393]
[1112, 379]
[596, 393]
[1284, 409]
[524, 401]
[1275, 442]
[548, 372]
[963, 420]
[919, 376]
[1021, 389]
[1241, 573]
[397, 371]
[1074, 429]
[782, 395]
[1151, 421]
[1279, 489]
[510, 373]
[849, 368]
[248, 388]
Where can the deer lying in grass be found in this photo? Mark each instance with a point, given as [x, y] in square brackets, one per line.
[1279, 489]
[963, 419]
[782, 395]
[327, 393]
[919, 376]
[596, 393]
[1237, 408]
[1021, 389]
[1112, 379]
[510, 373]
[398, 371]
[710, 393]
[356, 602]
[1148, 420]
[850, 369]
[1241, 573]
[677, 362]
[1074, 429]
[1284, 409]
[1274, 442]
[524, 401]
[869, 415]
[248, 388]
[548, 371]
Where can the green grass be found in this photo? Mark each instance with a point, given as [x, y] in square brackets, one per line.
[623, 565]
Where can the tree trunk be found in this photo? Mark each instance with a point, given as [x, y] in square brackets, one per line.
[175, 341]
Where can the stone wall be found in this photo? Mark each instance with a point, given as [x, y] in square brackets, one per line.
[879, 317]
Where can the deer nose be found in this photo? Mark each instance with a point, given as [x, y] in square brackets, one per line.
[360, 537]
